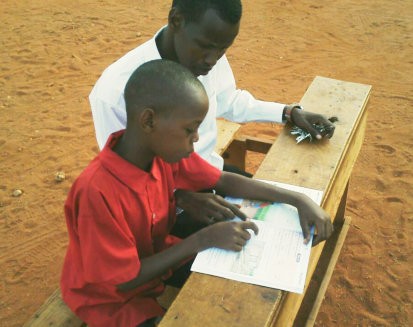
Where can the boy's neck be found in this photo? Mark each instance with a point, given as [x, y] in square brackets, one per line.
[133, 153]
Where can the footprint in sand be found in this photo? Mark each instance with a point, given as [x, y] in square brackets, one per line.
[380, 185]
[385, 148]
[393, 199]
[14, 271]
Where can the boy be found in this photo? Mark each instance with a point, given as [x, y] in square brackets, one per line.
[121, 209]
[197, 35]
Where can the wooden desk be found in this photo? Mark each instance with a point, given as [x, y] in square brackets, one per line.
[326, 165]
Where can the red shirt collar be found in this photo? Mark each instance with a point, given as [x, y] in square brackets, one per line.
[129, 174]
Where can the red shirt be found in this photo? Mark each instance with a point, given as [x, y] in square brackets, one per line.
[117, 214]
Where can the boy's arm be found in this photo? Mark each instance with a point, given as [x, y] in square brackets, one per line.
[226, 235]
[310, 214]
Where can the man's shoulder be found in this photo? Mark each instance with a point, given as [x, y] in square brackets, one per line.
[114, 78]
[135, 57]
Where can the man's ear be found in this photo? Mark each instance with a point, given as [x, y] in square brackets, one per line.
[147, 120]
[175, 19]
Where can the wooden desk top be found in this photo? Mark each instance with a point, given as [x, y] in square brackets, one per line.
[325, 165]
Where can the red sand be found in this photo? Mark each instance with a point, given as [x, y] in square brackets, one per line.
[53, 53]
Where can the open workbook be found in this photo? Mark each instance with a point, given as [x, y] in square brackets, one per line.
[277, 257]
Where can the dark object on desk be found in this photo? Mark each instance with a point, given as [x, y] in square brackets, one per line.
[322, 129]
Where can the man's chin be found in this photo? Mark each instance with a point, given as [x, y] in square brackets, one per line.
[201, 72]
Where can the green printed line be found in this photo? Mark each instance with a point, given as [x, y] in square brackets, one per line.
[261, 213]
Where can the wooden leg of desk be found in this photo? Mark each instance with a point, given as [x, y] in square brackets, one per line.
[339, 218]
[329, 272]
[235, 154]
[319, 281]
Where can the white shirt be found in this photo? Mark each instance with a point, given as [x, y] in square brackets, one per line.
[108, 104]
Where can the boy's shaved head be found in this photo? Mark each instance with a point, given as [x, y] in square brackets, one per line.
[160, 85]
[165, 105]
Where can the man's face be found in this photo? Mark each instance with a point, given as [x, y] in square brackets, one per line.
[176, 133]
[199, 45]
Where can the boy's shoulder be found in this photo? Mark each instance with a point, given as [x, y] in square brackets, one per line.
[93, 178]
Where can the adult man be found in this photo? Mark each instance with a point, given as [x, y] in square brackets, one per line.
[197, 35]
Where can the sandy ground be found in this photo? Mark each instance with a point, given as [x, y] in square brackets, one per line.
[52, 52]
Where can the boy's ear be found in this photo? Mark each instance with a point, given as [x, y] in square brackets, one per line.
[147, 120]
[175, 19]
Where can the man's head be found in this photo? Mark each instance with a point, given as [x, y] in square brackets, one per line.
[203, 30]
[228, 10]
[165, 104]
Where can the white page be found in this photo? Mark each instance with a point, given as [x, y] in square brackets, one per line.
[277, 257]
[315, 195]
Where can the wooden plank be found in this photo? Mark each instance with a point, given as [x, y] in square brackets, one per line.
[329, 272]
[292, 301]
[54, 312]
[226, 134]
[314, 164]
[333, 188]
[212, 301]
[325, 165]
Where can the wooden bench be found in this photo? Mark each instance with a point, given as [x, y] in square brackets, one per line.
[326, 165]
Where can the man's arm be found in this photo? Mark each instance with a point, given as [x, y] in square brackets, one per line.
[241, 106]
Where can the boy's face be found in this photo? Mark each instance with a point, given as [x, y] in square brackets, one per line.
[199, 45]
[175, 134]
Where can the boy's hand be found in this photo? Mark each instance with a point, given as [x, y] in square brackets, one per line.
[311, 214]
[207, 208]
[227, 235]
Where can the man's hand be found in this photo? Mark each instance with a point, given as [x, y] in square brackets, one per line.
[308, 121]
[207, 208]
[311, 214]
